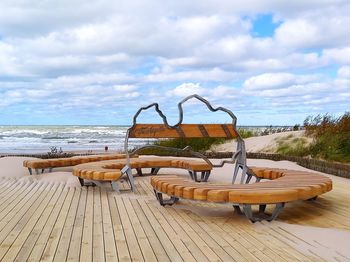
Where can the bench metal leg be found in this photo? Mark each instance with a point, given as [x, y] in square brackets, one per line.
[172, 200]
[154, 170]
[127, 170]
[244, 173]
[139, 171]
[235, 173]
[206, 177]
[195, 176]
[81, 181]
[37, 171]
[191, 174]
[96, 183]
[313, 198]
[249, 177]
[247, 209]
[262, 208]
[115, 186]
[238, 209]
[30, 171]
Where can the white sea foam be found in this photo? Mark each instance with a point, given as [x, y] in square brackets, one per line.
[32, 139]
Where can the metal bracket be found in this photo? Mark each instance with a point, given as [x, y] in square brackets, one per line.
[81, 181]
[139, 171]
[172, 200]
[313, 198]
[127, 170]
[115, 186]
[154, 171]
[261, 215]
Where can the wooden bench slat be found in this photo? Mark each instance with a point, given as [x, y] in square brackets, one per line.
[183, 130]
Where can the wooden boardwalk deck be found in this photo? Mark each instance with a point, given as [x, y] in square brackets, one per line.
[52, 222]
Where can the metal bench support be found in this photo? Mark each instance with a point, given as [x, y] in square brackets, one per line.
[172, 200]
[261, 215]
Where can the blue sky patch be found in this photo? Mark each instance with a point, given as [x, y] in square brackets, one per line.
[263, 26]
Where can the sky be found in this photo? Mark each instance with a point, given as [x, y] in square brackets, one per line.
[271, 62]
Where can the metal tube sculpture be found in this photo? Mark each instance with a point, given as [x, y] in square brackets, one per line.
[239, 157]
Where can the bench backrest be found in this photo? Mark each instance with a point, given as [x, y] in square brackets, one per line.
[180, 130]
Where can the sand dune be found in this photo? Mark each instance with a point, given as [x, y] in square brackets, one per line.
[266, 143]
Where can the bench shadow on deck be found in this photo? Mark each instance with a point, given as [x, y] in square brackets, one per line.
[53, 222]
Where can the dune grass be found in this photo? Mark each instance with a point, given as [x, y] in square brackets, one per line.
[292, 146]
[331, 139]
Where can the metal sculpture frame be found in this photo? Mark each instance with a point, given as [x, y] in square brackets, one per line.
[238, 158]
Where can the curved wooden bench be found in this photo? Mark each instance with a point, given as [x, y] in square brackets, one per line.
[282, 186]
[42, 164]
[112, 170]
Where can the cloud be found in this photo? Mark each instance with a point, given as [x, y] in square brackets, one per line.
[344, 72]
[187, 89]
[75, 55]
[337, 55]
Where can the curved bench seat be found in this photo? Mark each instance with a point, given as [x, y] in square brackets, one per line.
[42, 164]
[111, 170]
[282, 186]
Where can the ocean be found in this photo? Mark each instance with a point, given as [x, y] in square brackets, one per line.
[40, 139]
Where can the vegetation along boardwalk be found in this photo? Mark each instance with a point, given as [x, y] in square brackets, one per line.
[52, 222]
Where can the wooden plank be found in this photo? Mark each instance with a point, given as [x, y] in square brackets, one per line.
[35, 244]
[16, 198]
[133, 245]
[210, 242]
[271, 253]
[108, 235]
[119, 236]
[32, 238]
[190, 238]
[144, 244]
[217, 236]
[8, 188]
[183, 130]
[65, 238]
[168, 246]
[76, 238]
[163, 226]
[150, 234]
[11, 219]
[268, 238]
[52, 242]
[86, 251]
[98, 246]
[27, 221]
